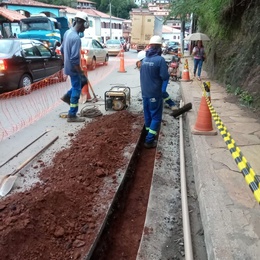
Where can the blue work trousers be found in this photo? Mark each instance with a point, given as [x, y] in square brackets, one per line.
[74, 94]
[166, 97]
[198, 65]
[153, 108]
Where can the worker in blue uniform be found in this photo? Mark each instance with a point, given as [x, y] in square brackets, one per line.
[166, 97]
[153, 72]
[70, 50]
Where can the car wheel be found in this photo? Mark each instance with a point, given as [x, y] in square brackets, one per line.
[106, 59]
[93, 64]
[25, 83]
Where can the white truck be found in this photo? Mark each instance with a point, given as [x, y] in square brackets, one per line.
[144, 26]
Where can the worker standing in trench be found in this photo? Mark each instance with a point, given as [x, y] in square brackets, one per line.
[153, 72]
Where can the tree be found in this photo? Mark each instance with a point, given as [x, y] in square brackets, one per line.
[119, 8]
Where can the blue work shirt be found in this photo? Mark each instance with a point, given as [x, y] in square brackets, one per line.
[153, 72]
[70, 50]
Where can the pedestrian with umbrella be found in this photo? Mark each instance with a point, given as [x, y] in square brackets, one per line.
[199, 56]
[198, 51]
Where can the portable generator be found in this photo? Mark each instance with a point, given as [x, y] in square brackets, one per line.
[117, 98]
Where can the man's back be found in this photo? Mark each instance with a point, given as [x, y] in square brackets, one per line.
[153, 72]
[71, 51]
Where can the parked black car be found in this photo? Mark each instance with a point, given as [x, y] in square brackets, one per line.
[24, 61]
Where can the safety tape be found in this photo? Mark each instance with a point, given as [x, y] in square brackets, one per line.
[243, 165]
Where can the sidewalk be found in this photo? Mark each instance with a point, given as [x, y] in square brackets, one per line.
[229, 211]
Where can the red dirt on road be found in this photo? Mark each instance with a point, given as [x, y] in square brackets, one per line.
[59, 217]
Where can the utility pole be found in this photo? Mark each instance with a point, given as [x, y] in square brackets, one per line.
[110, 25]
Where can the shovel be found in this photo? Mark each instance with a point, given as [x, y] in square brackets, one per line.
[2, 164]
[95, 97]
[8, 180]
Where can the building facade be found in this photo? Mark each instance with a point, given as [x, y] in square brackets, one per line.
[102, 26]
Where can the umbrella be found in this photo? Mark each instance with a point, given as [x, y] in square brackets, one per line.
[197, 37]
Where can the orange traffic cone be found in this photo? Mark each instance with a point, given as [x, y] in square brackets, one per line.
[83, 62]
[203, 125]
[85, 95]
[185, 73]
[122, 62]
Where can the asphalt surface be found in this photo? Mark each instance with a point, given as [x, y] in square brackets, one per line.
[229, 210]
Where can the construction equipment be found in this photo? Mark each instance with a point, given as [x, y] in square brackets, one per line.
[117, 98]
[7, 181]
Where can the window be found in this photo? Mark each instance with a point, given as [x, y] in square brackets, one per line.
[96, 44]
[43, 50]
[35, 25]
[5, 47]
[29, 50]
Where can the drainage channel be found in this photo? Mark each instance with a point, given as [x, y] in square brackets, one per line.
[125, 219]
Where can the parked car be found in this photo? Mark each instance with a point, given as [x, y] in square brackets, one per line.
[24, 61]
[94, 52]
[113, 46]
[172, 44]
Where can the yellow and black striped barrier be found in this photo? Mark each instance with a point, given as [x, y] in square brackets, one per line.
[243, 165]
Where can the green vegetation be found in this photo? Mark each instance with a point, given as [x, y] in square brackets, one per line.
[119, 8]
[244, 96]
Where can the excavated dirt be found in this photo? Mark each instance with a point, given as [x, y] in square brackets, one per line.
[59, 217]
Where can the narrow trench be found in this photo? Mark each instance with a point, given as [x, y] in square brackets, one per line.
[122, 235]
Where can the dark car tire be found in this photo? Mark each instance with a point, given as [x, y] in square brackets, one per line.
[106, 59]
[25, 83]
[93, 64]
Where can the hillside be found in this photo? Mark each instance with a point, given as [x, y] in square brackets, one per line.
[233, 58]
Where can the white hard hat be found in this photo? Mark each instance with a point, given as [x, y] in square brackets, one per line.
[156, 39]
[82, 15]
[141, 55]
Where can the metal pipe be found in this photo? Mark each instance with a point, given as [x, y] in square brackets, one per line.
[184, 200]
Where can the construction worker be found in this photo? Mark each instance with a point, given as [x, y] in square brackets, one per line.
[166, 97]
[153, 72]
[70, 50]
